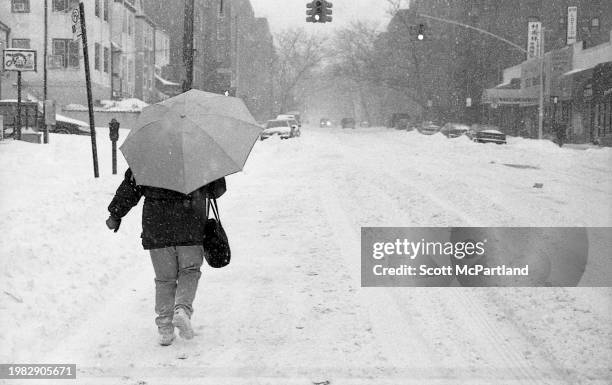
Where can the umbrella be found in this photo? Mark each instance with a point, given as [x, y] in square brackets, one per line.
[190, 140]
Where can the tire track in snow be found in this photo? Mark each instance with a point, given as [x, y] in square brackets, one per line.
[505, 354]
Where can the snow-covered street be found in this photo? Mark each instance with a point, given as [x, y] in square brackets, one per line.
[290, 309]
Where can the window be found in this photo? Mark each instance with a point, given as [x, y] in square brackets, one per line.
[130, 71]
[220, 54]
[20, 6]
[21, 43]
[130, 24]
[595, 24]
[97, 8]
[220, 31]
[105, 10]
[97, 56]
[60, 5]
[106, 57]
[67, 50]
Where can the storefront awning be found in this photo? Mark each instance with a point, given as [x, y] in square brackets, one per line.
[508, 96]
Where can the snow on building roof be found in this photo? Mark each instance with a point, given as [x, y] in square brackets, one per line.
[125, 105]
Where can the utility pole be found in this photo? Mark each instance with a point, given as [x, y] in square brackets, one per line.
[92, 126]
[188, 45]
[46, 132]
[541, 96]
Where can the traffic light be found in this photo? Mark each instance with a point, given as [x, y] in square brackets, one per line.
[327, 11]
[319, 11]
[420, 32]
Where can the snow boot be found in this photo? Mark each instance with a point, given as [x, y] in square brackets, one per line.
[166, 336]
[182, 322]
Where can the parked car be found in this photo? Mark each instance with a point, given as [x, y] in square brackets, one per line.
[294, 116]
[280, 127]
[364, 123]
[428, 128]
[347, 123]
[324, 122]
[402, 121]
[481, 133]
[297, 115]
[454, 130]
[295, 128]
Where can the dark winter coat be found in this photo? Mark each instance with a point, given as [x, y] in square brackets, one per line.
[169, 218]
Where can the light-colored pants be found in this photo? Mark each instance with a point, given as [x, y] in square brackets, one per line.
[177, 272]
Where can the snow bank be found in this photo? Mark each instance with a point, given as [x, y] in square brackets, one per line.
[125, 105]
[55, 248]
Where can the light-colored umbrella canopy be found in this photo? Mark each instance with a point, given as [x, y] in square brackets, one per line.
[190, 140]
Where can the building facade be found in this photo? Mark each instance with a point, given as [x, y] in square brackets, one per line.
[123, 40]
[121, 46]
[5, 32]
[145, 56]
[476, 61]
[66, 78]
[233, 49]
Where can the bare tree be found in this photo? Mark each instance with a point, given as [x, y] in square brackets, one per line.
[298, 54]
[356, 59]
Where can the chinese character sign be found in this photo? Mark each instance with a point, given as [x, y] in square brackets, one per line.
[534, 38]
[572, 15]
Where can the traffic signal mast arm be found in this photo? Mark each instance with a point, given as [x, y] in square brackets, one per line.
[475, 29]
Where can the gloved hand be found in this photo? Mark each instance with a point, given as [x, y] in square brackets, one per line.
[113, 223]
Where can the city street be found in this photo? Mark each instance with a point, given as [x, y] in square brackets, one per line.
[290, 308]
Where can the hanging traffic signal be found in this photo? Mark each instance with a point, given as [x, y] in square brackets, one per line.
[420, 32]
[327, 11]
[314, 9]
[318, 11]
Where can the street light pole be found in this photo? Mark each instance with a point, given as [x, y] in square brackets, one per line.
[541, 101]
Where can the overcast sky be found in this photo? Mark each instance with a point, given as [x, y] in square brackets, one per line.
[282, 14]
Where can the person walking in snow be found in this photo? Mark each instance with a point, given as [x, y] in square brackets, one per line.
[172, 229]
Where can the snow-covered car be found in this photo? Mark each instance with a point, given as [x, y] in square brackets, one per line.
[428, 128]
[295, 128]
[486, 134]
[66, 125]
[291, 116]
[454, 130]
[280, 127]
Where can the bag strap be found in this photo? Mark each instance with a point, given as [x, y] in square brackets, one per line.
[212, 204]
